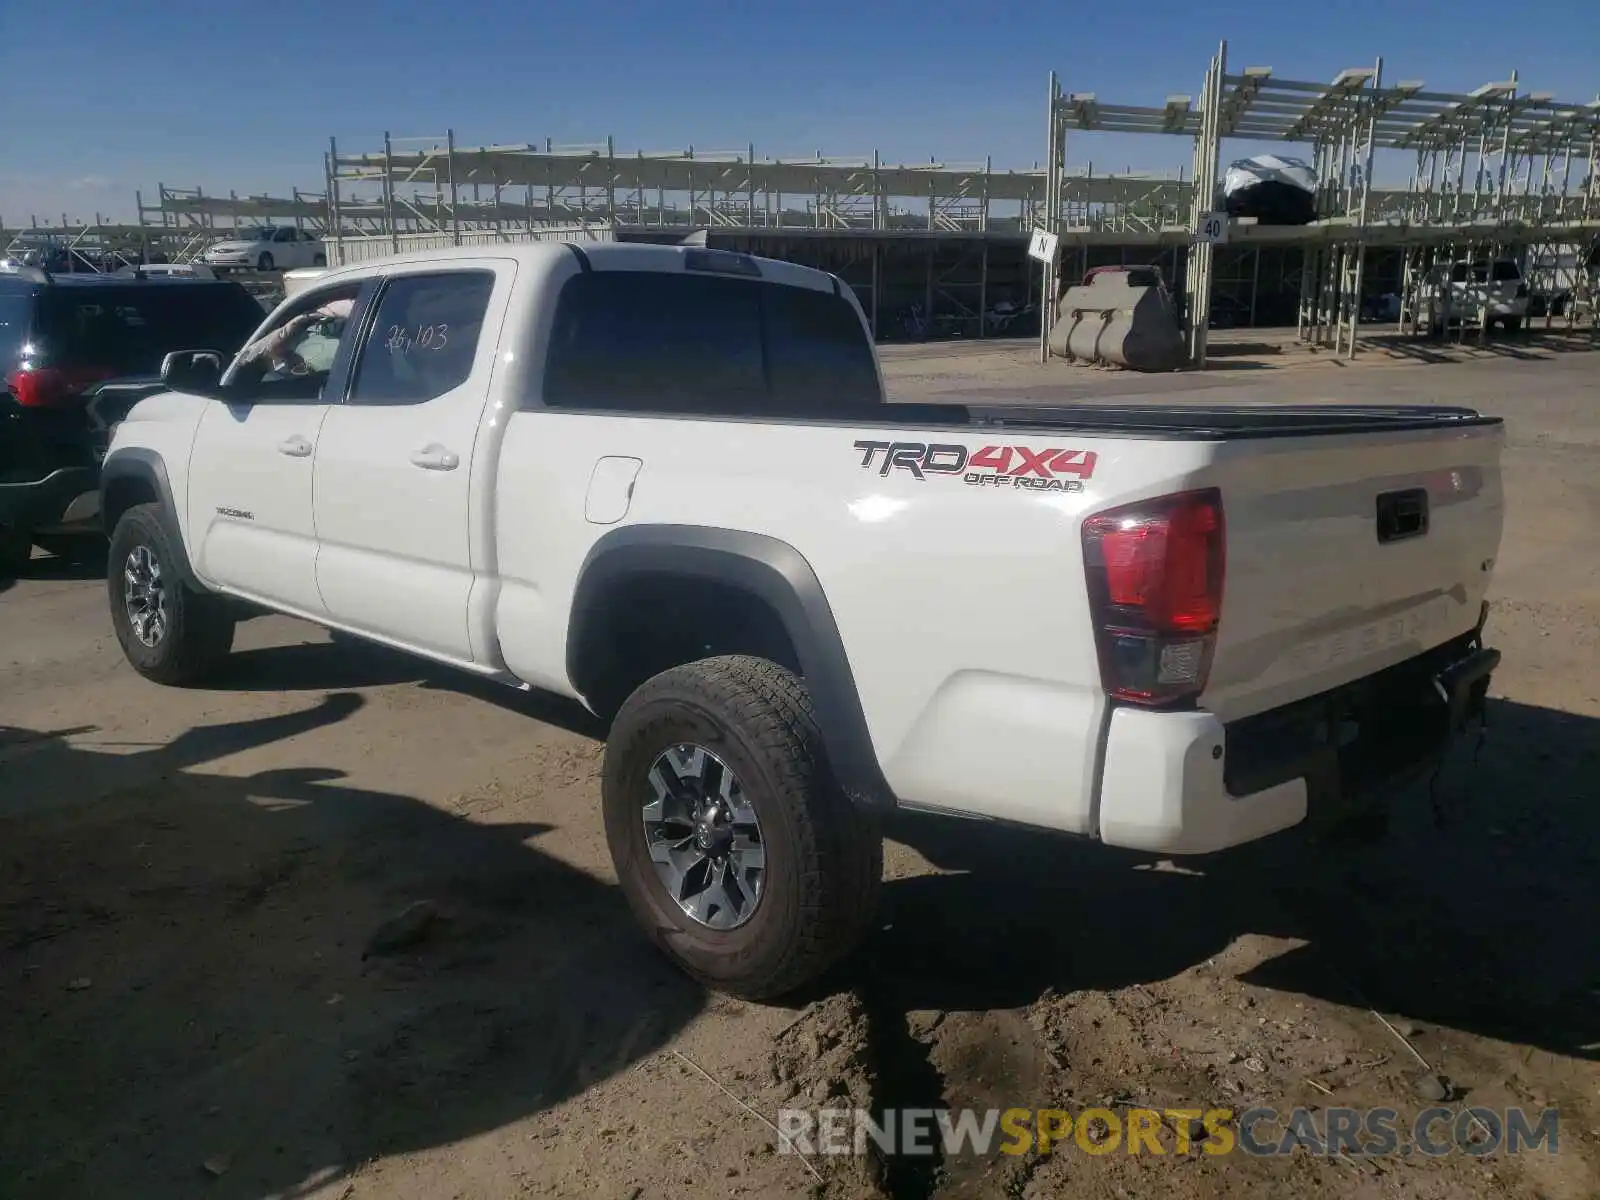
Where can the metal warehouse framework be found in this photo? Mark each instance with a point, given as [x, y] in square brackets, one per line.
[932, 249]
[434, 186]
[176, 228]
[100, 244]
[939, 249]
[1496, 170]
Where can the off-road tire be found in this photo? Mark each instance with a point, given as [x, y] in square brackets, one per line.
[199, 631]
[824, 855]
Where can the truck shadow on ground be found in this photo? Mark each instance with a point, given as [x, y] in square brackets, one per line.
[347, 661]
[187, 976]
[87, 562]
[1484, 925]
[1471, 925]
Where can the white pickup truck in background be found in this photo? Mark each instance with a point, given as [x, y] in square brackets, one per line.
[665, 481]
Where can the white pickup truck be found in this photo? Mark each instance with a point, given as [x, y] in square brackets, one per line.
[665, 481]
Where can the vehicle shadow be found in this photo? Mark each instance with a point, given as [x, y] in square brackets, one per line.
[318, 666]
[352, 662]
[1482, 925]
[193, 995]
[47, 568]
[86, 562]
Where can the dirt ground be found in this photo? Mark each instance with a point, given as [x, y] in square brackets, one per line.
[192, 1004]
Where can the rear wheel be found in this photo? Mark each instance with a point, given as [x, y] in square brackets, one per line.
[1512, 324]
[169, 632]
[737, 850]
[319, 260]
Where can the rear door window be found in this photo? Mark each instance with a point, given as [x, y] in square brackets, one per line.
[655, 341]
[649, 341]
[817, 353]
[424, 337]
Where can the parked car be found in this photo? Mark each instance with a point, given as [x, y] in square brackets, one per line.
[665, 481]
[76, 351]
[1466, 291]
[269, 248]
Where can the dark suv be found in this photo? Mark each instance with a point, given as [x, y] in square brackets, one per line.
[76, 352]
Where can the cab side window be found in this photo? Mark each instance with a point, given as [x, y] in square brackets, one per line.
[423, 338]
[291, 361]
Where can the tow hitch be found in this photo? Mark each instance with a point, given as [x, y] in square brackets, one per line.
[1463, 686]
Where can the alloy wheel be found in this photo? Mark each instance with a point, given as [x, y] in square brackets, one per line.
[144, 596]
[704, 837]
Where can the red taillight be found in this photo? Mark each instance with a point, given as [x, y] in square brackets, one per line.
[50, 387]
[1155, 589]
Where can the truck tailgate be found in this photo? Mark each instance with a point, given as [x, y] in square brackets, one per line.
[1347, 554]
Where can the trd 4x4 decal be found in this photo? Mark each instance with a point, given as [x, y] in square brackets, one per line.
[1051, 469]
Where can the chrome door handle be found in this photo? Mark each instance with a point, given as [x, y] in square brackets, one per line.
[295, 447]
[434, 457]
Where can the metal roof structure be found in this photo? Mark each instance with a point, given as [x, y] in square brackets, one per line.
[1497, 166]
[433, 185]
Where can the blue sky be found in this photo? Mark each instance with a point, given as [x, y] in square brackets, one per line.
[245, 96]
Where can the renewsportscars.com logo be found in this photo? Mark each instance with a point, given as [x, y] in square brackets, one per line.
[1052, 469]
[1259, 1132]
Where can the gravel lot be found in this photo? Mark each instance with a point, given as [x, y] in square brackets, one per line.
[190, 882]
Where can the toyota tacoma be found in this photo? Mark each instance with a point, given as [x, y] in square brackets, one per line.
[665, 481]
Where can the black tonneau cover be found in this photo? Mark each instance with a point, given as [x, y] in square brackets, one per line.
[1195, 422]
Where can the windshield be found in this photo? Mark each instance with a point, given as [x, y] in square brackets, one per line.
[260, 233]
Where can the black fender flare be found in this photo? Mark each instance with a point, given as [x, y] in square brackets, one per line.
[146, 466]
[772, 571]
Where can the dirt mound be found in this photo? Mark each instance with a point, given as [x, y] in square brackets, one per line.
[822, 1059]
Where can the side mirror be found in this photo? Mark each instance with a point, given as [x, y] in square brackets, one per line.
[198, 372]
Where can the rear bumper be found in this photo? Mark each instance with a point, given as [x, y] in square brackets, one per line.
[1185, 783]
[67, 496]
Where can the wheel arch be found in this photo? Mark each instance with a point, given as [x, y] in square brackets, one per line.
[763, 571]
[139, 476]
